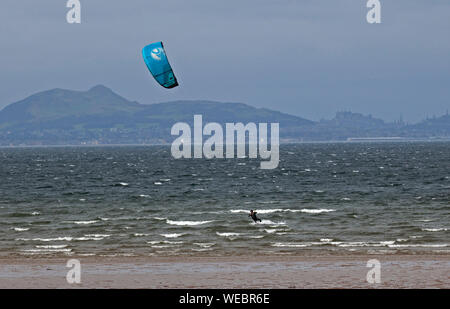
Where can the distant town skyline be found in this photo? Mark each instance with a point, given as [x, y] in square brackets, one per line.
[306, 58]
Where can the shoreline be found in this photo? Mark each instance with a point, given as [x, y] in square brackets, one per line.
[11, 260]
[349, 140]
[397, 271]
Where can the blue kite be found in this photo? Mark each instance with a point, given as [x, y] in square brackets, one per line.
[156, 60]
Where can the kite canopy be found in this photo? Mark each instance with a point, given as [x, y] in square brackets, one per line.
[156, 60]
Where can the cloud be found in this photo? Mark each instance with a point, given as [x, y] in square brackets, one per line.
[310, 58]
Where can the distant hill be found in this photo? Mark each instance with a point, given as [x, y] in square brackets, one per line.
[59, 103]
[100, 116]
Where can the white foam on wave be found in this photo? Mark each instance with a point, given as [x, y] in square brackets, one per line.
[271, 231]
[85, 222]
[159, 218]
[290, 245]
[140, 234]
[228, 234]
[418, 246]
[326, 239]
[97, 235]
[267, 211]
[339, 244]
[167, 242]
[204, 244]
[263, 211]
[434, 229]
[20, 229]
[187, 223]
[274, 224]
[66, 238]
[45, 251]
[401, 240]
[327, 242]
[51, 246]
[364, 244]
[242, 211]
[173, 235]
[88, 238]
[316, 211]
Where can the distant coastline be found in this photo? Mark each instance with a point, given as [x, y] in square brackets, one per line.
[282, 142]
[100, 116]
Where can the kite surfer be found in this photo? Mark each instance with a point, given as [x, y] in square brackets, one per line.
[253, 215]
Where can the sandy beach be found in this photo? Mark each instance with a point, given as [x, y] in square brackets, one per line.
[398, 271]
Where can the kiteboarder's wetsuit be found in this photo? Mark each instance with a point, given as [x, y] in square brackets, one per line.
[254, 217]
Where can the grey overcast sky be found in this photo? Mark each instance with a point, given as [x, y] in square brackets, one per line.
[310, 58]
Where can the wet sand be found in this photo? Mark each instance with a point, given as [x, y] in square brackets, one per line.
[397, 271]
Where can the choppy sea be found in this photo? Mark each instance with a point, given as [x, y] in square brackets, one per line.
[342, 198]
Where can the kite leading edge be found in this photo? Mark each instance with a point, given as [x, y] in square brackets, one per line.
[156, 60]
